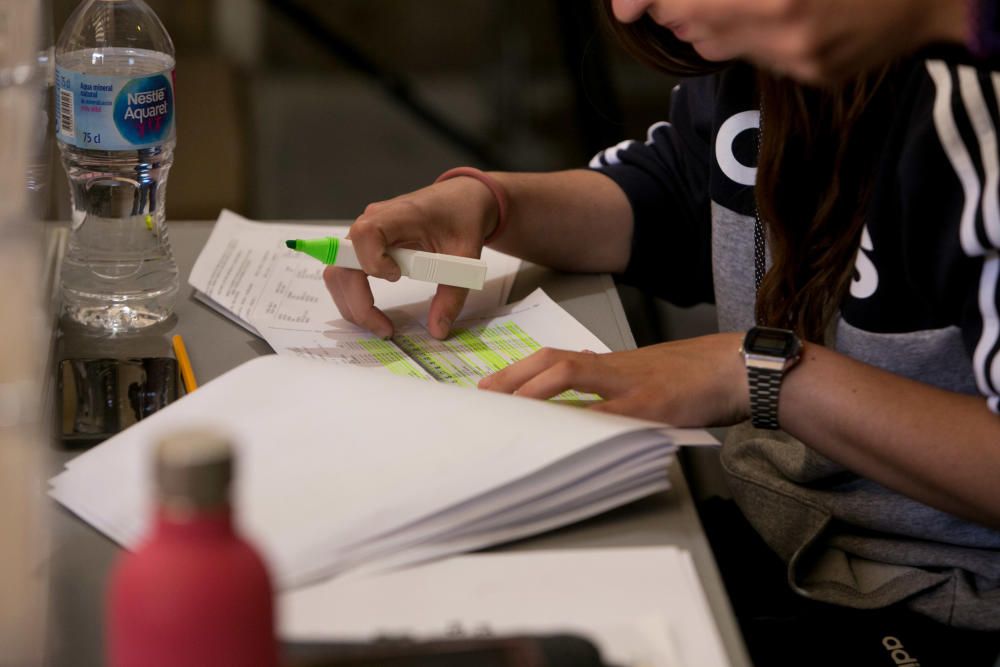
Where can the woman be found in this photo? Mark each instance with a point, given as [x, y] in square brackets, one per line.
[870, 229]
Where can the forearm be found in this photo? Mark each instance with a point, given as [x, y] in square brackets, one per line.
[576, 220]
[936, 446]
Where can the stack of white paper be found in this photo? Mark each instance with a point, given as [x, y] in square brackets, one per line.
[342, 469]
[640, 606]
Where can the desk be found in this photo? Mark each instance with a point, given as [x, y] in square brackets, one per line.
[81, 557]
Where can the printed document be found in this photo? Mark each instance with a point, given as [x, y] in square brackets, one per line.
[246, 273]
[478, 345]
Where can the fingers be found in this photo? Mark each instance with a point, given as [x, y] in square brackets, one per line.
[445, 307]
[370, 235]
[353, 296]
[550, 372]
[398, 222]
[630, 406]
[435, 219]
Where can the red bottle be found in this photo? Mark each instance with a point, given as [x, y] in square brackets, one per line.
[194, 594]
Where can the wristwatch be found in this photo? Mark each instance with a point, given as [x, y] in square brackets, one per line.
[768, 354]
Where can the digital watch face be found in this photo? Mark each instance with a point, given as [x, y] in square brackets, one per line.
[771, 342]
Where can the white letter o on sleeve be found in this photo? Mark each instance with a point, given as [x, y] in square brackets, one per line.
[732, 128]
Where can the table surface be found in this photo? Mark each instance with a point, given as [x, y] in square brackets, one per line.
[80, 557]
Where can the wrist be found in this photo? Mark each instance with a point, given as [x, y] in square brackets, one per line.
[494, 219]
[768, 354]
[737, 383]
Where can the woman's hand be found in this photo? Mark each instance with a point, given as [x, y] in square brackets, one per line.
[451, 217]
[695, 382]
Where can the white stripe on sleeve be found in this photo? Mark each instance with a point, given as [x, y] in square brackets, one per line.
[987, 374]
[652, 130]
[611, 155]
[979, 115]
[976, 197]
[958, 155]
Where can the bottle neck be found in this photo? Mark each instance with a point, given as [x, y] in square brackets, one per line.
[214, 522]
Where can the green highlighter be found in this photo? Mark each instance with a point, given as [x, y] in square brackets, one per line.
[430, 267]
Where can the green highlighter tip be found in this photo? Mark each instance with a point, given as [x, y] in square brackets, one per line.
[291, 244]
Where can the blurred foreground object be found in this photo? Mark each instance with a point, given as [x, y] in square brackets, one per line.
[22, 356]
[194, 593]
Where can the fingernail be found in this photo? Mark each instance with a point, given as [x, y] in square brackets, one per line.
[444, 324]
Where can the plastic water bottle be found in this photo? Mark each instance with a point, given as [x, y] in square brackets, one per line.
[194, 593]
[114, 113]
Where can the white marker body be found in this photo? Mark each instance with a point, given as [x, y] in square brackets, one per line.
[430, 267]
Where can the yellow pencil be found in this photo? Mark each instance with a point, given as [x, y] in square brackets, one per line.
[187, 374]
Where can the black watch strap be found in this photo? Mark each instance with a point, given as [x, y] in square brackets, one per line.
[765, 385]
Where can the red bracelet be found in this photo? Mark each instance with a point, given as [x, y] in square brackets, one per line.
[498, 193]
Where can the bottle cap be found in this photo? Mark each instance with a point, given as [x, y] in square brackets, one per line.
[193, 470]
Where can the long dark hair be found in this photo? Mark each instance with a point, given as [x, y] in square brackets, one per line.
[814, 179]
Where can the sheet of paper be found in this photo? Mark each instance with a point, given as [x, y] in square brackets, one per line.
[322, 469]
[248, 272]
[479, 345]
[585, 485]
[475, 539]
[640, 606]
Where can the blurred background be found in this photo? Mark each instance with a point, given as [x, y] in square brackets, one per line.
[312, 109]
